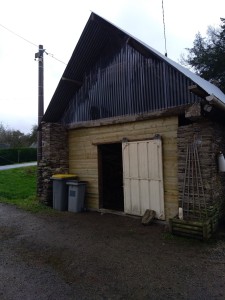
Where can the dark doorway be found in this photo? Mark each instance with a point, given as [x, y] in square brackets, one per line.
[111, 176]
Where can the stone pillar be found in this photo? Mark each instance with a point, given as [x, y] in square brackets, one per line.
[54, 159]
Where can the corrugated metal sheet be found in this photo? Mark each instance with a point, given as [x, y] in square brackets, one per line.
[99, 35]
[143, 177]
[93, 40]
[127, 83]
[207, 86]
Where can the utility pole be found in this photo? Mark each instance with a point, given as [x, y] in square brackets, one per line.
[39, 56]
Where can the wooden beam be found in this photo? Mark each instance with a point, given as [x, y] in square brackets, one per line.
[126, 119]
[195, 89]
[141, 48]
[155, 137]
[79, 83]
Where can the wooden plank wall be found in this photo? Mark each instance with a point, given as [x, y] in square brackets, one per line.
[83, 154]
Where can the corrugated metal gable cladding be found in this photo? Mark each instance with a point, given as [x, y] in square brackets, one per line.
[86, 52]
[93, 39]
[96, 35]
[128, 84]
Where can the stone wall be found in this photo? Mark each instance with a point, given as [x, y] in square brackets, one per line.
[209, 139]
[54, 159]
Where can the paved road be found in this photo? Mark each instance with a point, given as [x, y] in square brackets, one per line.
[7, 167]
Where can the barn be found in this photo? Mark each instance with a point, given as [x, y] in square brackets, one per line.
[141, 130]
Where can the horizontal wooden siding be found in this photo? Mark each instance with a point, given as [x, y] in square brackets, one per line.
[83, 154]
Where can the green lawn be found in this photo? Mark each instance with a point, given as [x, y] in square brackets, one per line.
[18, 186]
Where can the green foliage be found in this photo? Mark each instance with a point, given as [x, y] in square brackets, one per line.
[207, 55]
[33, 135]
[18, 187]
[17, 139]
[18, 183]
[12, 156]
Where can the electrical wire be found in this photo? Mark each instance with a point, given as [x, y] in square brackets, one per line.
[164, 27]
[51, 55]
[26, 40]
[18, 35]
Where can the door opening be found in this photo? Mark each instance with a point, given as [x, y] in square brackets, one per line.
[111, 176]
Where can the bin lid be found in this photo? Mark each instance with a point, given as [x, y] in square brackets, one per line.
[64, 176]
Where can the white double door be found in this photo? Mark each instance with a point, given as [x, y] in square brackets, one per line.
[143, 177]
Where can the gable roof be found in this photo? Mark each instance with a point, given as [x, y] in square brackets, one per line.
[95, 36]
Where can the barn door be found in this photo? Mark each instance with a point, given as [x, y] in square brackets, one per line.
[143, 177]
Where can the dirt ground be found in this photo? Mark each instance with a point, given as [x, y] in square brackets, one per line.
[94, 256]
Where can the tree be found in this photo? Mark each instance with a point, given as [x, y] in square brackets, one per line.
[17, 139]
[207, 56]
[33, 135]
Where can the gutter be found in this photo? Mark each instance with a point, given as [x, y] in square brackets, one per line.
[213, 100]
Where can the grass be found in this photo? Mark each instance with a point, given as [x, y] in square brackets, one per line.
[18, 187]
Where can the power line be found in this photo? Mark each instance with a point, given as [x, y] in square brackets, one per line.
[26, 40]
[18, 35]
[164, 26]
[51, 55]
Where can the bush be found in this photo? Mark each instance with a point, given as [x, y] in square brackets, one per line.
[17, 155]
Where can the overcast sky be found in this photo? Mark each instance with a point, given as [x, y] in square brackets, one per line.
[57, 25]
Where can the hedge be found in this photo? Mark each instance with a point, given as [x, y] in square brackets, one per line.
[17, 155]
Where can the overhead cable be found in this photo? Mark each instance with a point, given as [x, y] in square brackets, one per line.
[26, 40]
[164, 26]
[19, 35]
[51, 55]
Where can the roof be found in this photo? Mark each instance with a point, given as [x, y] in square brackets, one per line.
[97, 33]
[210, 88]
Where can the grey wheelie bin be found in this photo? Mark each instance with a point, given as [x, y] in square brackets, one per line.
[60, 190]
[76, 195]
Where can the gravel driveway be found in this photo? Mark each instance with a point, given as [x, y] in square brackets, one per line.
[93, 256]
